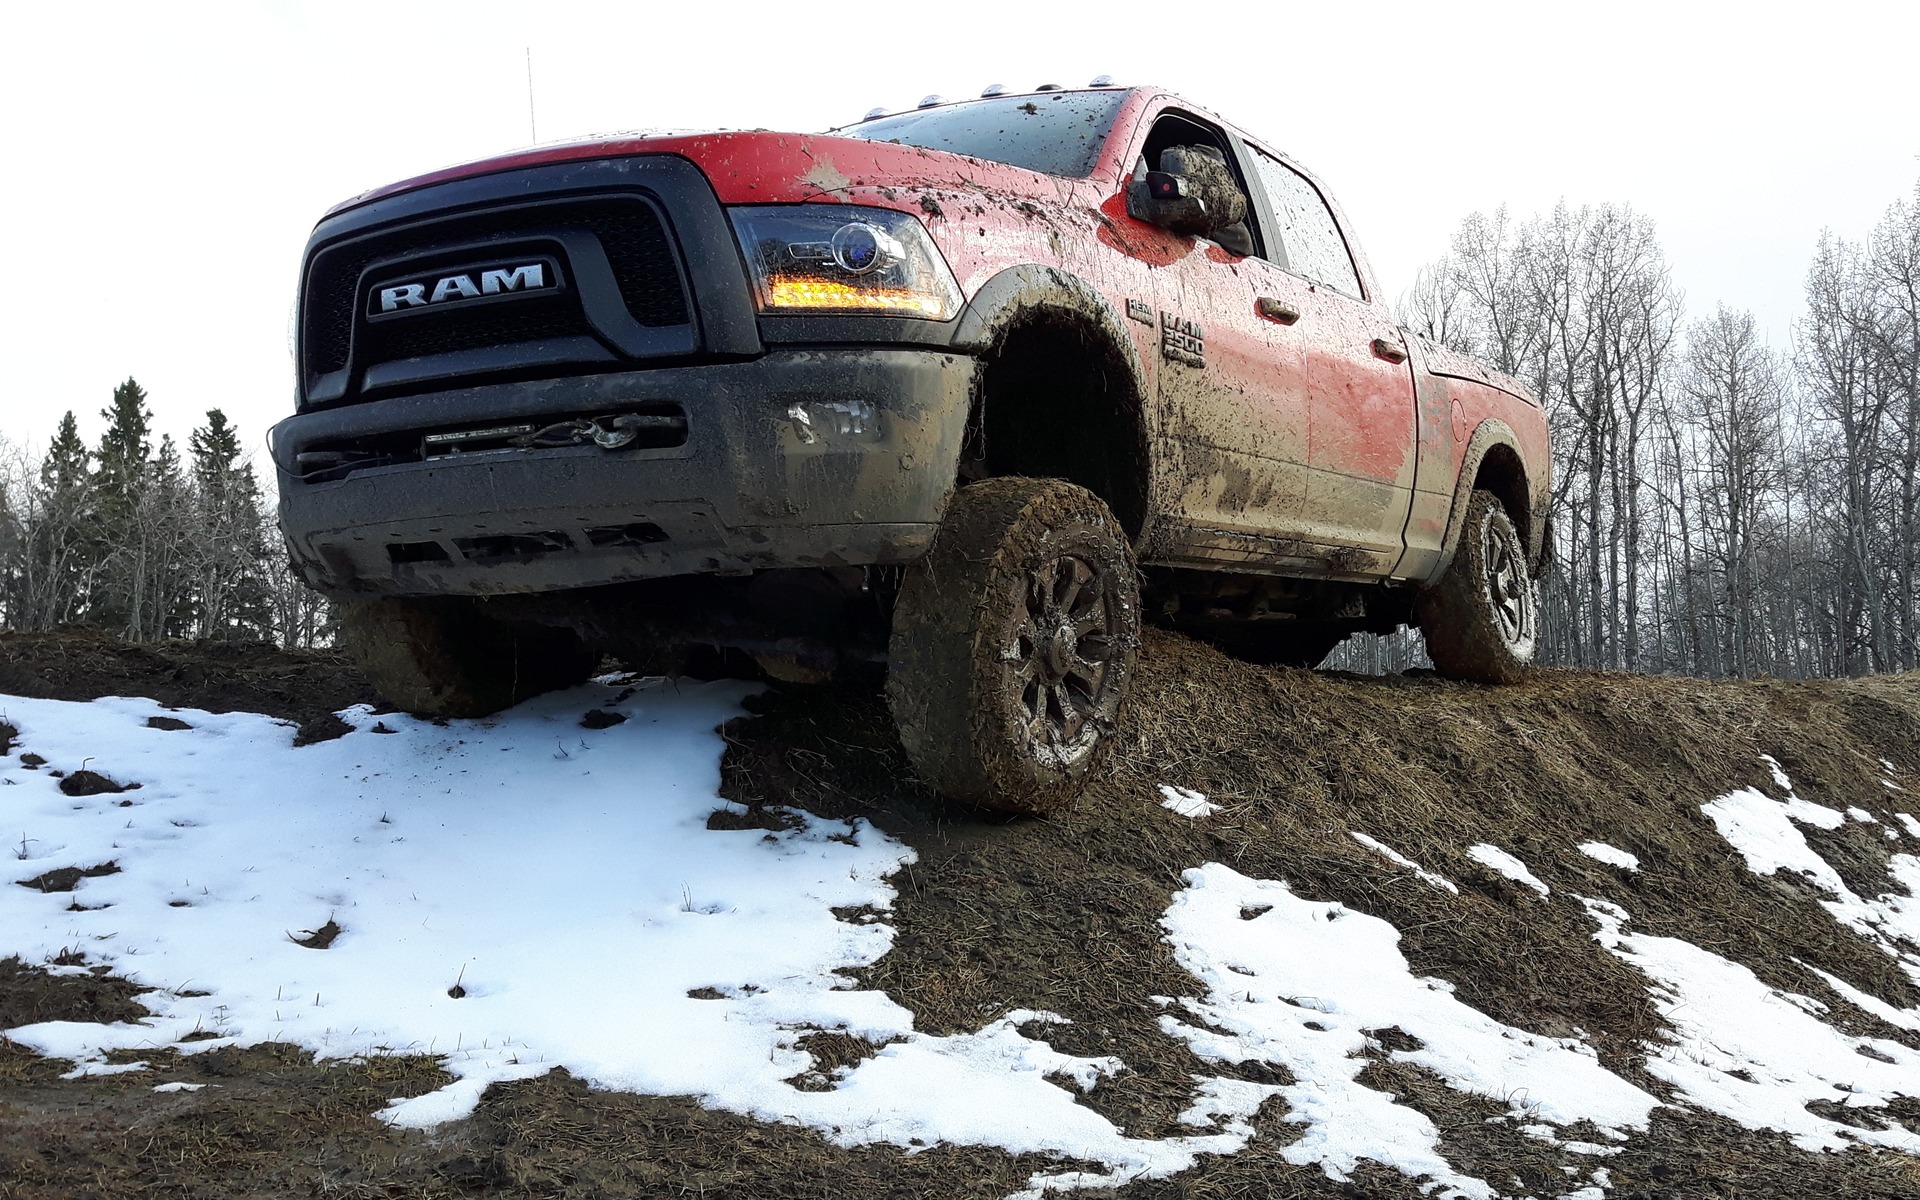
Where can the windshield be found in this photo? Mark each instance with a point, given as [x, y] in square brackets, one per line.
[1055, 133]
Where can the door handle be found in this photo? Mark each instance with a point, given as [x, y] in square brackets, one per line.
[1393, 352]
[1276, 310]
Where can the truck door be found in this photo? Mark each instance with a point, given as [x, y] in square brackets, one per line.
[1362, 436]
[1233, 391]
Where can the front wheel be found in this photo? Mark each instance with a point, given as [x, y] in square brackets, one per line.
[1013, 641]
[1482, 621]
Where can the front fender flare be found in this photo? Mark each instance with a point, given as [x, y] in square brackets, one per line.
[1034, 292]
[1017, 293]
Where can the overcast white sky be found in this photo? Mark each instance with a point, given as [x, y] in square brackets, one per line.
[164, 163]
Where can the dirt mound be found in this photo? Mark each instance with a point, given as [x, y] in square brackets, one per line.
[83, 664]
[1064, 914]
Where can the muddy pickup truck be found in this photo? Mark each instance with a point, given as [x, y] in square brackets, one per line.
[970, 390]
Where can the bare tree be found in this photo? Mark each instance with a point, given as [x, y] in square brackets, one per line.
[1733, 392]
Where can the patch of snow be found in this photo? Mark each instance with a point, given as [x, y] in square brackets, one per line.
[1862, 815]
[1899, 1018]
[1907, 822]
[1758, 826]
[1739, 1048]
[83, 1070]
[1495, 859]
[1762, 830]
[1817, 815]
[1186, 801]
[1613, 856]
[178, 1086]
[1387, 852]
[1307, 984]
[486, 877]
[1779, 773]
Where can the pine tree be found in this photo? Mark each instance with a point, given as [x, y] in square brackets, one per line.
[121, 532]
[64, 470]
[121, 462]
[54, 576]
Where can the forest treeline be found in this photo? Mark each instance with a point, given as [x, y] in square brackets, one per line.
[130, 537]
[1721, 506]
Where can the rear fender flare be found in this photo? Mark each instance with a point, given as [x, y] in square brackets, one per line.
[1490, 435]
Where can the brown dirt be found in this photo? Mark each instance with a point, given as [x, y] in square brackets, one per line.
[1062, 914]
[83, 664]
[91, 783]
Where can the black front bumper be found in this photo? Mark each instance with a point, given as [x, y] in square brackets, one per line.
[801, 458]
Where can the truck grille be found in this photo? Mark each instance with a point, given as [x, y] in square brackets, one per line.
[638, 249]
[472, 329]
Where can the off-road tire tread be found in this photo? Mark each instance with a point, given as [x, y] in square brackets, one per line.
[1463, 637]
[944, 647]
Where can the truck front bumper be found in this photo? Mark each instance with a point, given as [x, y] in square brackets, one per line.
[801, 458]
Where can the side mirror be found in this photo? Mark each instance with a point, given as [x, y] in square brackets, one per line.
[1193, 193]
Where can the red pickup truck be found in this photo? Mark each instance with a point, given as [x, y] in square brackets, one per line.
[970, 390]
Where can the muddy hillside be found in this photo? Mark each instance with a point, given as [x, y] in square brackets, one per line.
[1273, 952]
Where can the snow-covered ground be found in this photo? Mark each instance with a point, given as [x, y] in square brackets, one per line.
[523, 892]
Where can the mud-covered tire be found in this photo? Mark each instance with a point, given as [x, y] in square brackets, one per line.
[441, 658]
[1013, 641]
[1482, 621]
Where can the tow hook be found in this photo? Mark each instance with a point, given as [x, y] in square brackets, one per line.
[608, 433]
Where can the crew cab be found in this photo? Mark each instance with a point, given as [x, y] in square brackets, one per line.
[969, 390]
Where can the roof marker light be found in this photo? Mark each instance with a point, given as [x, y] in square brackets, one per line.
[1101, 81]
[994, 89]
[930, 101]
[874, 112]
[1049, 87]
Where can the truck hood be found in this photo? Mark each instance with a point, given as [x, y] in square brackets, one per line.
[763, 167]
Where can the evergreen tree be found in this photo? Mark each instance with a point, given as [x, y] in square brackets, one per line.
[58, 559]
[64, 470]
[216, 451]
[121, 531]
[121, 462]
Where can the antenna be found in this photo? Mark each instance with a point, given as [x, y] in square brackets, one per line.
[533, 130]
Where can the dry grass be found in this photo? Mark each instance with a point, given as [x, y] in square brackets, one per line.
[1063, 914]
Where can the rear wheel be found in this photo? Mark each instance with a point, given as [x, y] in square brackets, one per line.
[1013, 641]
[441, 658]
[1482, 621]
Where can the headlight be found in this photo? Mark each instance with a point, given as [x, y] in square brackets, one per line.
[838, 258]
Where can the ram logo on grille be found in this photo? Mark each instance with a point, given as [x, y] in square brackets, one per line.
[517, 279]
